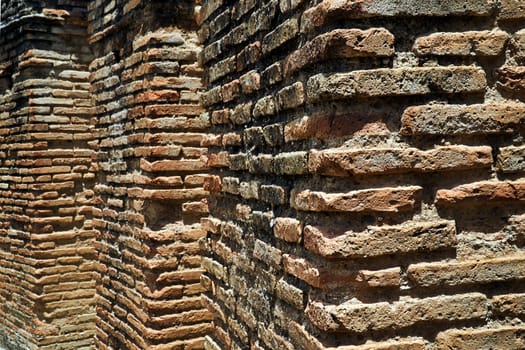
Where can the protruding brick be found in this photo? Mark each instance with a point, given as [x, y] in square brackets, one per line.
[361, 318]
[387, 200]
[341, 43]
[507, 337]
[396, 82]
[342, 162]
[407, 238]
[442, 274]
[483, 43]
[482, 193]
[331, 10]
[463, 119]
[326, 277]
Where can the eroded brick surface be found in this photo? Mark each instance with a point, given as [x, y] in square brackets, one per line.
[281, 174]
[373, 198]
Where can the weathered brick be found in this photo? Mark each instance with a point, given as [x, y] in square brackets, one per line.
[291, 96]
[512, 10]
[506, 337]
[288, 229]
[293, 163]
[325, 277]
[280, 35]
[396, 82]
[341, 43]
[389, 199]
[265, 106]
[410, 237]
[467, 272]
[268, 254]
[482, 193]
[222, 68]
[331, 10]
[462, 119]
[483, 43]
[511, 159]
[509, 304]
[361, 318]
[289, 293]
[511, 78]
[309, 342]
[250, 82]
[341, 162]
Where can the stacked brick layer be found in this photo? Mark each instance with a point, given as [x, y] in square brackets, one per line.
[367, 189]
[47, 275]
[151, 169]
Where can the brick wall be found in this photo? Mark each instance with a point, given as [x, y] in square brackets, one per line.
[151, 167]
[367, 185]
[47, 277]
[281, 174]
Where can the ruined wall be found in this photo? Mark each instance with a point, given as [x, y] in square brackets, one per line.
[47, 277]
[368, 174]
[146, 84]
[351, 170]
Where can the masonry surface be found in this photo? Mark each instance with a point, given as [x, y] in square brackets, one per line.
[281, 174]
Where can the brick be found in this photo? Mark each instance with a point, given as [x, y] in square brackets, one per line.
[411, 237]
[280, 35]
[222, 68]
[511, 159]
[250, 82]
[265, 106]
[396, 82]
[482, 43]
[326, 277]
[289, 5]
[231, 91]
[361, 318]
[511, 79]
[517, 45]
[327, 126]
[482, 193]
[386, 200]
[290, 294]
[308, 342]
[506, 337]
[273, 74]
[248, 56]
[268, 254]
[211, 97]
[331, 10]
[236, 36]
[209, 8]
[341, 43]
[450, 119]
[242, 114]
[511, 10]
[292, 163]
[288, 229]
[341, 162]
[291, 96]
[509, 304]
[273, 194]
[466, 272]
[274, 341]
[262, 18]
